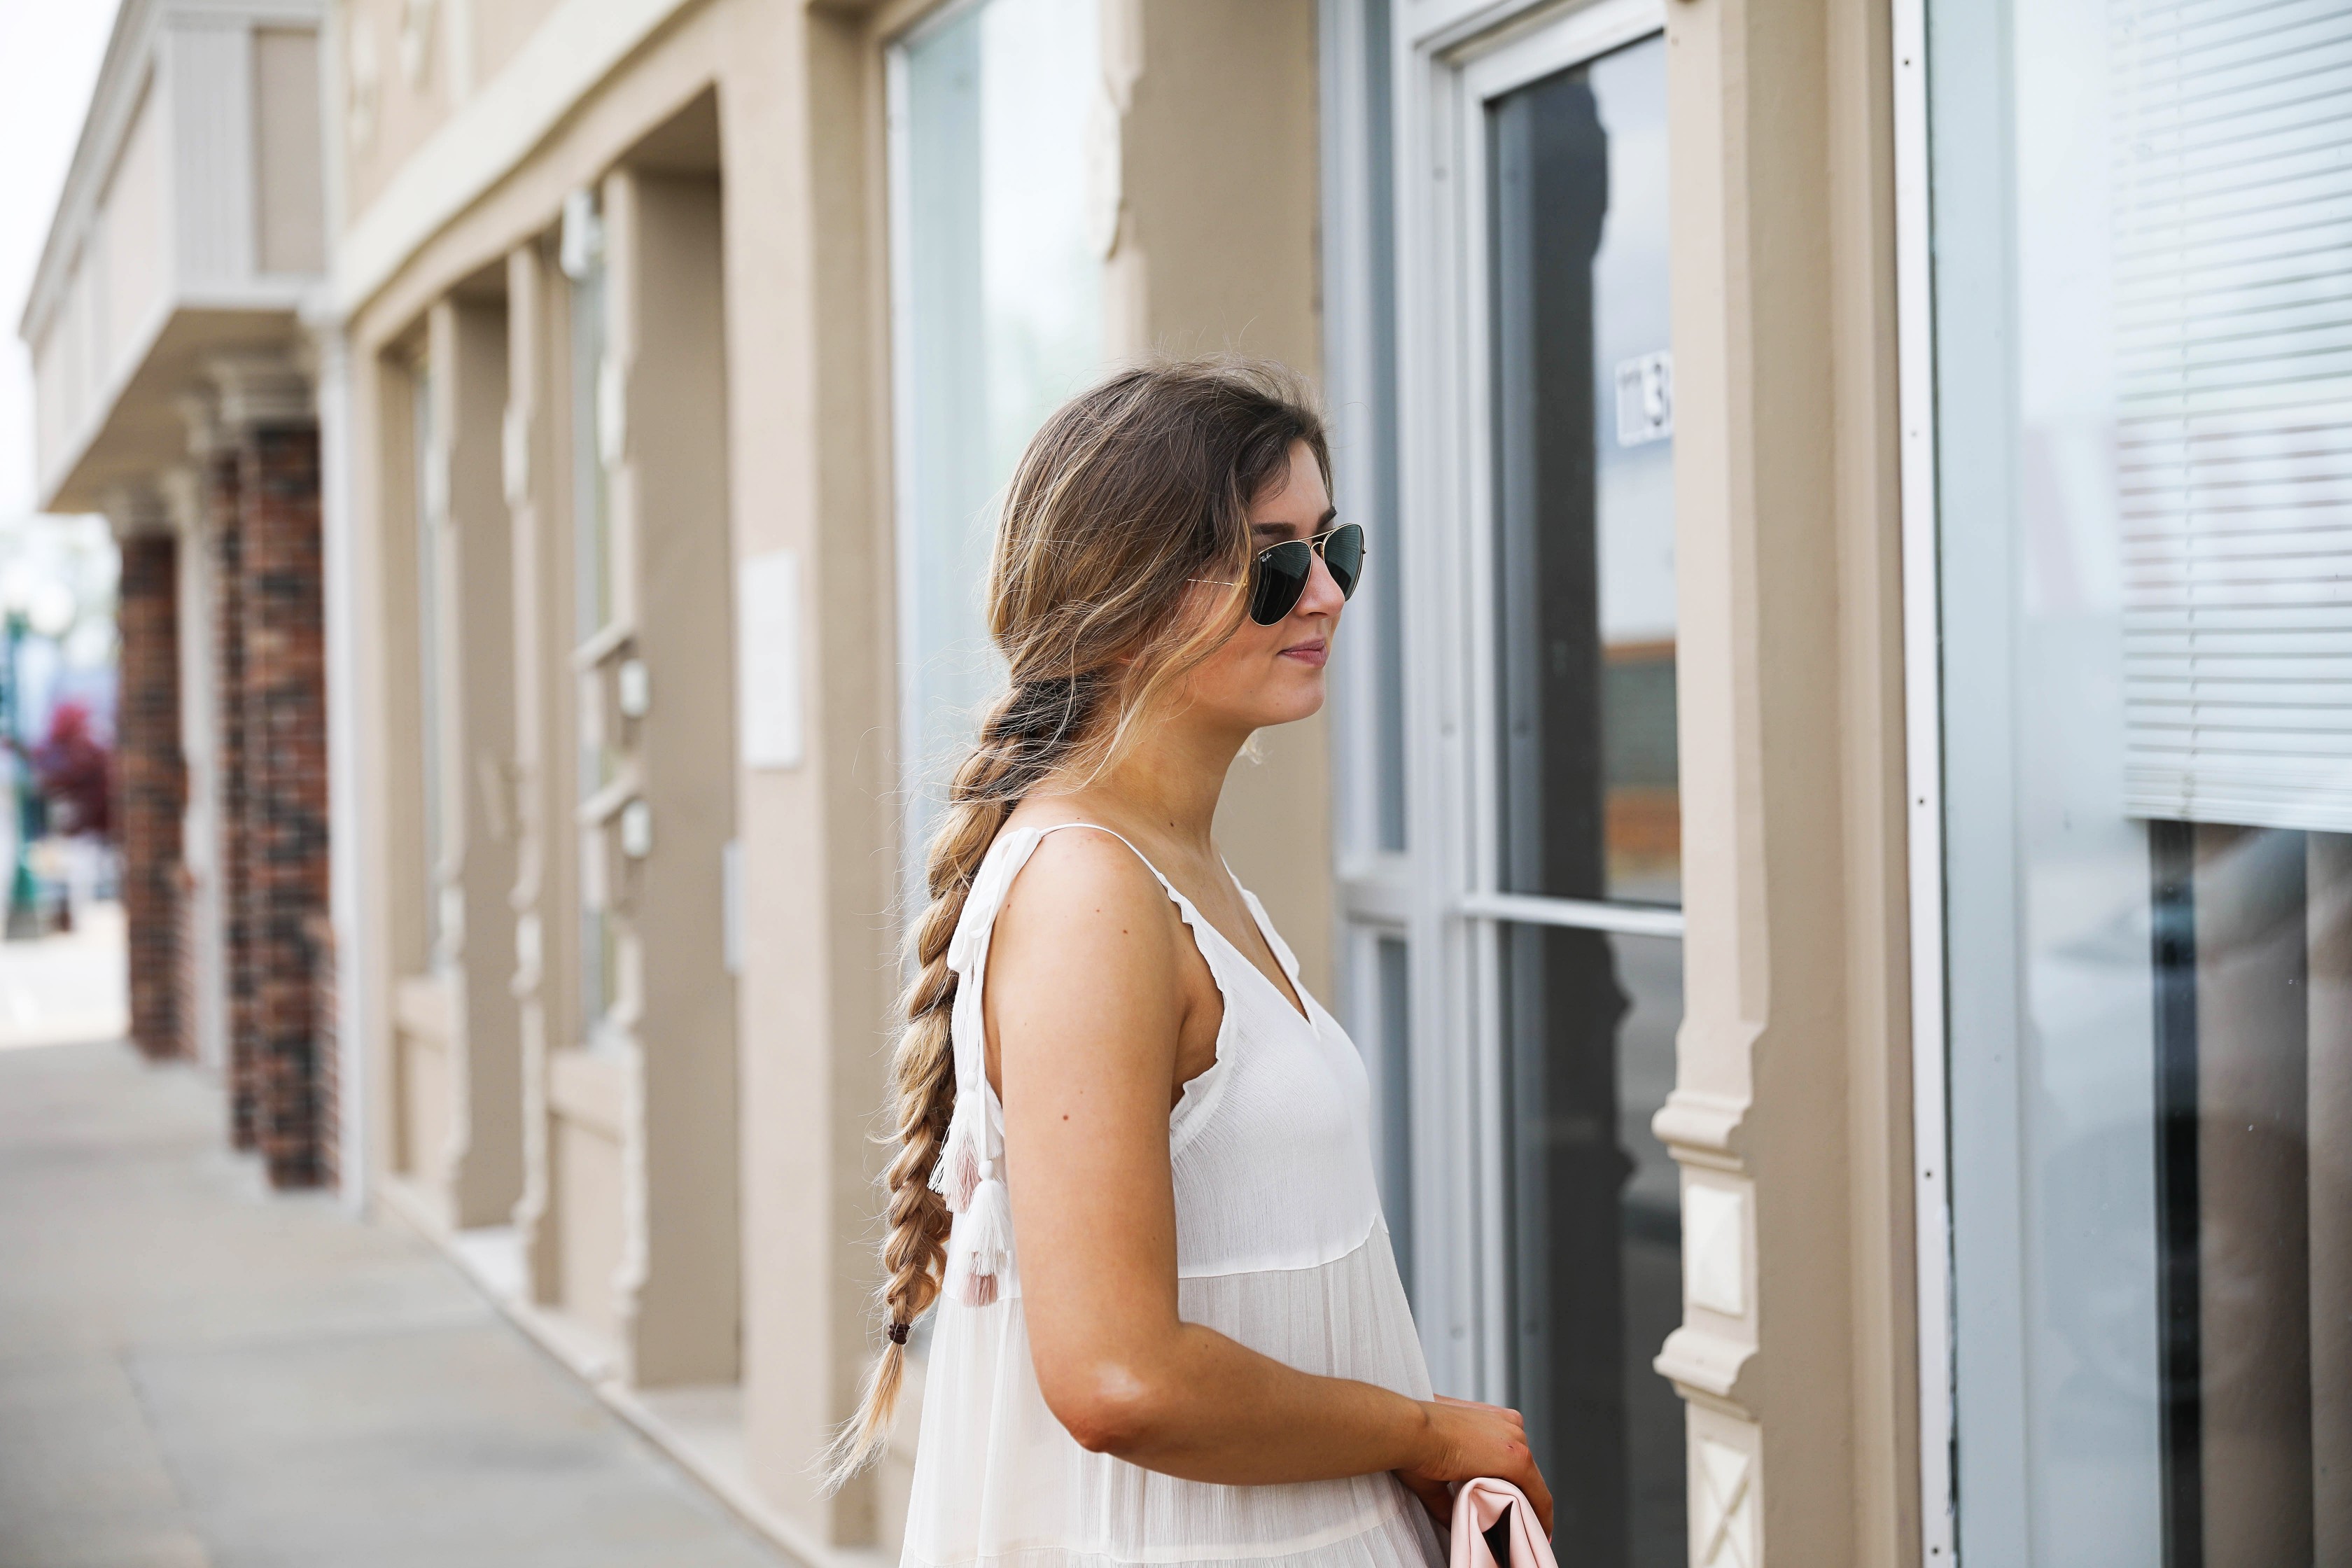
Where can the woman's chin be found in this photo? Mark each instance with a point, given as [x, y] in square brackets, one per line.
[1302, 699]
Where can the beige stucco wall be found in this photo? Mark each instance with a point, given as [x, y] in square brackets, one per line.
[387, 113]
[499, 30]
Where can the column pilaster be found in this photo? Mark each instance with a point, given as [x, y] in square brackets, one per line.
[263, 406]
[150, 781]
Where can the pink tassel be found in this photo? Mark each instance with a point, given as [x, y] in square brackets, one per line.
[962, 1178]
[984, 1240]
[957, 1172]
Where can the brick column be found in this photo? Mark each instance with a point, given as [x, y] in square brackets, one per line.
[285, 791]
[151, 789]
[224, 516]
[273, 774]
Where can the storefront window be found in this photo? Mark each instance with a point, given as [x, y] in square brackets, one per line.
[591, 591]
[1584, 516]
[998, 320]
[430, 477]
[2142, 241]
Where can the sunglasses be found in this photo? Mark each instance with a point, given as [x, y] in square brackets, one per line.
[1278, 574]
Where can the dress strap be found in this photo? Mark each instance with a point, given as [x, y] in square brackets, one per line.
[968, 952]
[966, 1174]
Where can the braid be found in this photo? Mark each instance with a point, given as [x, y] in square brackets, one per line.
[1028, 733]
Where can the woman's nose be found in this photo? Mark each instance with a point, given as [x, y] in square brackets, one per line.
[1321, 597]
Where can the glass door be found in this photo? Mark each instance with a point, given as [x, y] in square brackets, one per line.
[1549, 840]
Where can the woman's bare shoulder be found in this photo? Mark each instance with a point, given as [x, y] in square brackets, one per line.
[1085, 909]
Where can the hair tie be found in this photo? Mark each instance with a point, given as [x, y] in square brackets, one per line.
[897, 1333]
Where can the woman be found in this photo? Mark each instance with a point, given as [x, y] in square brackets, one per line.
[1201, 1350]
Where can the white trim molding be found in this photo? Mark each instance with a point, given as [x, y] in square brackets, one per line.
[1924, 799]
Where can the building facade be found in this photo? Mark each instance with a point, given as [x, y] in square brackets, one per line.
[1828, 831]
[173, 394]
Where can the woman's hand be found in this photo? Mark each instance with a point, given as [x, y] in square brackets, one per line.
[1466, 1441]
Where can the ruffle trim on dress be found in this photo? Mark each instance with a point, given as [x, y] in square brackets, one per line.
[1396, 1536]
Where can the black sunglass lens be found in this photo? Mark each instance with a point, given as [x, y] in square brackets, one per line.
[1277, 578]
[1343, 552]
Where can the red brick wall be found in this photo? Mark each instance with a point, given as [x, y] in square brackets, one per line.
[285, 787]
[151, 790]
[223, 514]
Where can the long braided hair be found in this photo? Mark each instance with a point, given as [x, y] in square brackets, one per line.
[1129, 493]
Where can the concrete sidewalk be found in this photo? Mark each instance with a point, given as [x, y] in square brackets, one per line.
[194, 1372]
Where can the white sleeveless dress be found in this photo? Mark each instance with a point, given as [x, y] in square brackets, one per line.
[1280, 1245]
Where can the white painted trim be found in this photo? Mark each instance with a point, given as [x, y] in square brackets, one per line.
[1445, 1205]
[1575, 914]
[130, 53]
[581, 43]
[1348, 392]
[77, 444]
[1451, 56]
[283, 297]
[346, 759]
[121, 77]
[1923, 804]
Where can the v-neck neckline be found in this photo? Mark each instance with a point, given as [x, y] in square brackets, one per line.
[1289, 987]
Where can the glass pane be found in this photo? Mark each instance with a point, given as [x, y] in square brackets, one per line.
[1002, 305]
[2142, 279]
[429, 650]
[591, 553]
[1584, 529]
[1589, 1021]
[1383, 588]
[591, 566]
[1393, 1094]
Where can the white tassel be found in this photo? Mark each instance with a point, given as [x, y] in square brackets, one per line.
[985, 1240]
[957, 1171]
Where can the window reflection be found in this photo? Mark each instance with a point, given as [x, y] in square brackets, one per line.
[2254, 1064]
[1584, 597]
[1589, 1022]
[428, 643]
[1000, 308]
[1583, 408]
[2141, 291]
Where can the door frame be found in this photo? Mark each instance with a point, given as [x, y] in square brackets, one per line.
[1923, 741]
[1452, 58]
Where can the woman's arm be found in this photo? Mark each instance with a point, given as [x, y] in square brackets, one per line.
[1091, 984]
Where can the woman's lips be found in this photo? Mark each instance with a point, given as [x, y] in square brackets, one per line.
[1311, 654]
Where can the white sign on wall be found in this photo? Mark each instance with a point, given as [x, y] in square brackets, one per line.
[768, 659]
[1645, 398]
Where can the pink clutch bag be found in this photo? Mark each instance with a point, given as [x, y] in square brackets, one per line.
[1495, 1528]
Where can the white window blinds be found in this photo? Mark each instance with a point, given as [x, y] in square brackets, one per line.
[2234, 470]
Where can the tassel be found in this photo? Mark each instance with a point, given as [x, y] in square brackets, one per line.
[958, 1170]
[965, 1179]
[985, 1240]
